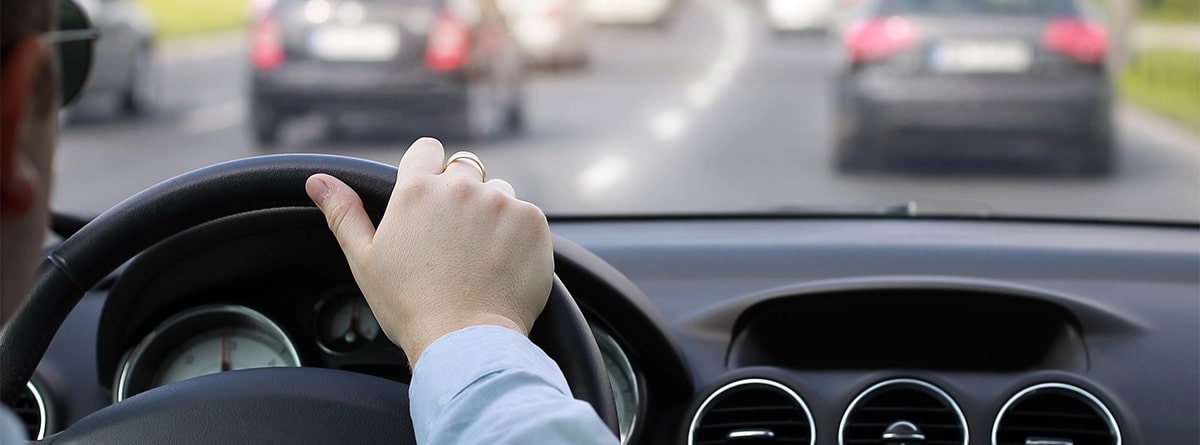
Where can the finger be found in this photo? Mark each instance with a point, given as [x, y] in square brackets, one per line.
[467, 166]
[423, 157]
[503, 186]
[343, 211]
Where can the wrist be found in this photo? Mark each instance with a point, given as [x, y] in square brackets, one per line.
[425, 336]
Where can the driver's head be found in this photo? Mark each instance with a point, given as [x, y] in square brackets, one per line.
[28, 121]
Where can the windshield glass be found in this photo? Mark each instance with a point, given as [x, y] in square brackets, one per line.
[1028, 108]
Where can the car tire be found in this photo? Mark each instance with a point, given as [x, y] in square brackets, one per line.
[265, 126]
[854, 151]
[851, 155]
[141, 95]
[477, 116]
[1095, 157]
[514, 117]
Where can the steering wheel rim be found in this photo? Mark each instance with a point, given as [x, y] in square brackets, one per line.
[203, 195]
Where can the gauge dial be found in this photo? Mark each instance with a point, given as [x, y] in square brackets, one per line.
[205, 340]
[347, 323]
[624, 382]
[220, 350]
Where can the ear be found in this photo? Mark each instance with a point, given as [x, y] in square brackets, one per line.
[17, 175]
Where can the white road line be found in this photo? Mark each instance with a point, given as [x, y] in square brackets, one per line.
[602, 175]
[735, 27]
[671, 121]
[669, 124]
[214, 117]
[734, 21]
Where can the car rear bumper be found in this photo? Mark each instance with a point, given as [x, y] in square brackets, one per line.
[795, 16]
[302, 89]
[627, 11]
[1057, 106]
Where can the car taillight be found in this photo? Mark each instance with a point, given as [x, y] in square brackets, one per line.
[266, 49]
[1082, 41]
[878, 39]
[449, 44]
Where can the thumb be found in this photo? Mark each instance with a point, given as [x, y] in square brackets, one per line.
[343, 211]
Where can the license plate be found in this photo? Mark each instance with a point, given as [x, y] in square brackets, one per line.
[981, 56]
[362, 43]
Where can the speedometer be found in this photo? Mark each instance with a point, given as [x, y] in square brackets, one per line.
[205, 340]
[624, 382]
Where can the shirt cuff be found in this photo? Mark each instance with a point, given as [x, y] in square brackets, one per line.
[453, 362]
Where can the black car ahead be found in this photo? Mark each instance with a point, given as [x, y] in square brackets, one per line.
[975, 78]
[444, 67]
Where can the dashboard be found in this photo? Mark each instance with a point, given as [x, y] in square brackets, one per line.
[814, 330]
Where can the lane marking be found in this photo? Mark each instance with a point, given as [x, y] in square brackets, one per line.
[733, 19]
[215, 117]
[669, 124]
[603, 174]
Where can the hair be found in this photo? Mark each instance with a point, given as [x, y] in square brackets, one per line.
[20, 18]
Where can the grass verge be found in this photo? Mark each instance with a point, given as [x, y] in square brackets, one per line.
[1165, 81]
[180, 18]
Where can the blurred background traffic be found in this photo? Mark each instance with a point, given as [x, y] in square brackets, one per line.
[1047, 108]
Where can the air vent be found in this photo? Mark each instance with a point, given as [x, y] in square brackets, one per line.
[1052, 414]
[903, 411]
[31, 408]
[752, 411]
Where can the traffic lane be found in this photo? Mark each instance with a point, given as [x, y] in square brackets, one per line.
[769, 148]
[202, 120]
[578, 120]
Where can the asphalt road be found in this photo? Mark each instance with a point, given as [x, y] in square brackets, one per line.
[710, 114]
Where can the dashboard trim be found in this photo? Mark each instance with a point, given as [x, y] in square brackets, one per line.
[962, 419]
[691, 433]
[43, 409]
[1114, 427]
[604, 339]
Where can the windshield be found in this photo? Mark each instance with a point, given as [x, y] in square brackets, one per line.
[1026, 108]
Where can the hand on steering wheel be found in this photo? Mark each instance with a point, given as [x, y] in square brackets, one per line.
[452, 251]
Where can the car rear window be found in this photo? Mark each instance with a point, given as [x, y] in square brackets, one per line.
[1005, 7]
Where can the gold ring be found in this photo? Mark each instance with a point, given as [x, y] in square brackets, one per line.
[467, 156]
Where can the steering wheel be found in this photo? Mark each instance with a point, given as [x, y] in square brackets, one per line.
[256, 406]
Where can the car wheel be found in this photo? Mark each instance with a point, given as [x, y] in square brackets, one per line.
[480, 115]
[854, 152]
[1095, 156]
[514, 117]
[266, 123]
[851, 156]
[141, 95]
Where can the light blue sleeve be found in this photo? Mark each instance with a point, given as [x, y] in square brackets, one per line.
[12, 431]
[491, 385]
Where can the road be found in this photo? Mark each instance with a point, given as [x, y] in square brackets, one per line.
[711, 114]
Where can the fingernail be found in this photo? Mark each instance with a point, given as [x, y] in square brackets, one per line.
[318, 190]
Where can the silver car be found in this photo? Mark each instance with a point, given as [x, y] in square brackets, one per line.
[125, 68]
[550, 33]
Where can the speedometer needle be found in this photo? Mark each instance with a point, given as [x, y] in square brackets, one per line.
[224, 351]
